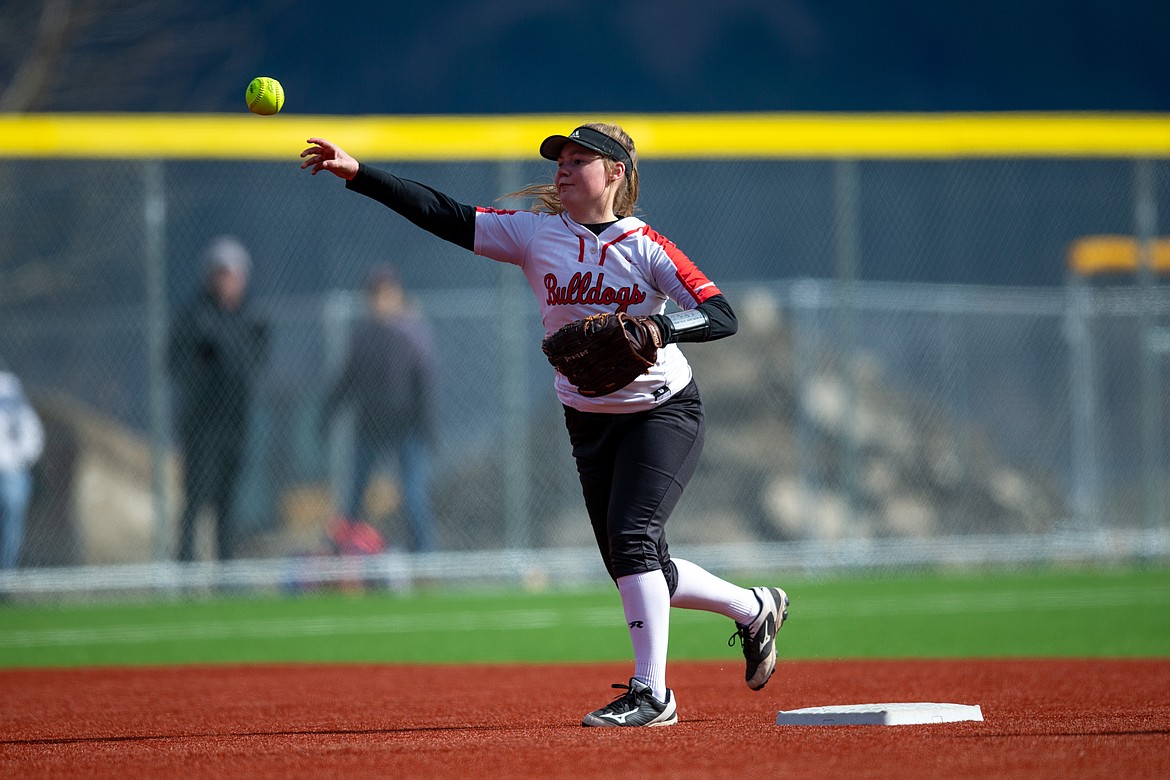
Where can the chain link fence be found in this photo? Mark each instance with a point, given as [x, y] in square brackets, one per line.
[920, 376]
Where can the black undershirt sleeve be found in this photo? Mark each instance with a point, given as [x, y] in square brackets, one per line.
[426, 207]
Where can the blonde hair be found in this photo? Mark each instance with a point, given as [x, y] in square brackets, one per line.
[545, 198]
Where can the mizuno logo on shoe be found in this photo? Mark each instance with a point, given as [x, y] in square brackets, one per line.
[635, 624]
[618, 717]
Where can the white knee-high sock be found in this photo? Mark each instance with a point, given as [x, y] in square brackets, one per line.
[646, 602]
[700, 589]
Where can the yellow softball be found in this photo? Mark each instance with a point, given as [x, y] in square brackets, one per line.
[265, 96]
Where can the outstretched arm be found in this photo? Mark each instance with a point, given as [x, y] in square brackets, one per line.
[425, 206]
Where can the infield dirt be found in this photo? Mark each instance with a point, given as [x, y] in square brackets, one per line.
[1042, 719]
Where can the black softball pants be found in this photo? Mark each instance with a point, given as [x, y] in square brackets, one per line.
[633, 469]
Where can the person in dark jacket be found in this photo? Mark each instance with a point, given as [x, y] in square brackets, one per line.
[388, 379]
[217, 348]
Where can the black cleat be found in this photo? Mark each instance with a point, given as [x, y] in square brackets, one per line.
[759, 637]
[636, 707]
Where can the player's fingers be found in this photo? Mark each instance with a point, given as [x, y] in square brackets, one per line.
[326, 148]
[314, 163]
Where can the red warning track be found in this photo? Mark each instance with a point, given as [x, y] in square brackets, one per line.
[1042, 719]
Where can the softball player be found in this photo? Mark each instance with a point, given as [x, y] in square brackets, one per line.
[583, 252]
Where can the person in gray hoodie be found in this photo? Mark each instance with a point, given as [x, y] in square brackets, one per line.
[388, 379]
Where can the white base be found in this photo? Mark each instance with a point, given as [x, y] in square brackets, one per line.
[879, 714]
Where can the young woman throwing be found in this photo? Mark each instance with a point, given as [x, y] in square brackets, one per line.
[584, 253]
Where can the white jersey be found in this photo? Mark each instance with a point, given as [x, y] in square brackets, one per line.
[575, 273]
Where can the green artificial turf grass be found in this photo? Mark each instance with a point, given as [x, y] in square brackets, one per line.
[925, 614]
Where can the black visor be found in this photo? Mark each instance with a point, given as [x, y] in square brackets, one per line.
[599, 142]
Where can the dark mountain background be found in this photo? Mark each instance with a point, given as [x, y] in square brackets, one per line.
[501, 56]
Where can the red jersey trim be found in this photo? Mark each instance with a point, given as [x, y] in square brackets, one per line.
[608, 244]
[695, 281]
[580, 240]
[489, 210]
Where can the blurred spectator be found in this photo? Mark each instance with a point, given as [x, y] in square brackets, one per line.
[217, 347]
[22, 439]
[389, 380]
